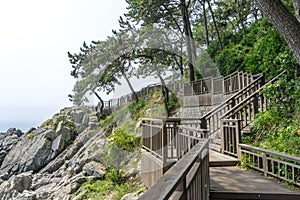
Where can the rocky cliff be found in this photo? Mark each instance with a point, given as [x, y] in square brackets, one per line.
[52, 161]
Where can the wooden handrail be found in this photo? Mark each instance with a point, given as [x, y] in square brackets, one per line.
[279, 165]
[176, 177]
[270, 152]
[209, 114]
[235, 108]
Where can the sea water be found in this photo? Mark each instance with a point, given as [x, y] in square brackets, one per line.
[23, 126]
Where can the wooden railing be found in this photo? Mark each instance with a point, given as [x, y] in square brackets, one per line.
[215, 85]
[281, 166]
[187, 138]
[165, 141]
[116, 104]
[159, 137]
[187, 179]
[241, 115]
[211, 121]
[226, 85]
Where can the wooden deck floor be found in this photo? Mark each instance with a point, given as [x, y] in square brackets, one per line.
[225, 176]
[237, 179]
[220, 160]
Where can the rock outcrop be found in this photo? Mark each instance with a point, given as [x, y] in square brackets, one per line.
[52, 161]
[8, 141]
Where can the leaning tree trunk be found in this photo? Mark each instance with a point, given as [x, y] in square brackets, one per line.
[135, 96]
[101, 101]
[284, 22]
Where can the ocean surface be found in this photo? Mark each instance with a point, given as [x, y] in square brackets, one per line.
[24, 126]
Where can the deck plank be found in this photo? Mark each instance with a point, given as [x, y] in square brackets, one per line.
[217, 159]
[238, 179]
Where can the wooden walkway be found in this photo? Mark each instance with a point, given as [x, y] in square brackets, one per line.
[238, 179]
[220, 160]
[227, 181]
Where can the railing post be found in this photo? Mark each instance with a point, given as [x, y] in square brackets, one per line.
[255, 104]
[238, 135]
[164, 142]
[265, 165]
[222, 137]
[182, 188]
[239, 152]
[203, 124]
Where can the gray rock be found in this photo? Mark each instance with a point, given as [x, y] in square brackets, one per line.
[21, 182]
[94, 169]
[14, 131]
[131, 196]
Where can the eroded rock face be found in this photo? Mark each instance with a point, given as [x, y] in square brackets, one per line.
[8, 140]
[52, 161]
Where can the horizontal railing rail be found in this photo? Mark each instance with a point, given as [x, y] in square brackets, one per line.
[281, 166]
[187, 138]
[187, 179]
[227, 85]
[211, 120]
[243, 112]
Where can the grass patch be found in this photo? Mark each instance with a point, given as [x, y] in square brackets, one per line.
[115, 184]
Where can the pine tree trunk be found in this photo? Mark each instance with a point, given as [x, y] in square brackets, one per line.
[101, 101]
[296, 4]
[205, 22]
[189, 39]
[215, 24]
[135, 97]
[165, 93]
[284, 22]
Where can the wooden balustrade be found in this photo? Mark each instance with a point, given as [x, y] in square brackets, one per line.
[215, 85]
[211, 120]
[187, 138]
[187, 179]
[250, 102]
[226, 85]
[165, 141]
[281, 166]
[230, 136]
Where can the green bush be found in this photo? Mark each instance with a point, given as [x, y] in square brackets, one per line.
[136, 108]
[124, 140]
[121, 145]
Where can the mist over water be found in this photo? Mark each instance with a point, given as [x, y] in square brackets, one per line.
[24, 126]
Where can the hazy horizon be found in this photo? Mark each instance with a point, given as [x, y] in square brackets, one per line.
[34, 40]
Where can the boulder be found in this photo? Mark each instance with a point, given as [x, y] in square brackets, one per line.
[21, 182]
[94, 169]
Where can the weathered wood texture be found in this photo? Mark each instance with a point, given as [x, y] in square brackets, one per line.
[241, 114]
[164, 142]
[281, 166]
[211, 120]
[228, 195]
[238, 179]
[187, 179]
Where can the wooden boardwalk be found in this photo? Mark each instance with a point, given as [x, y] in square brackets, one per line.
[227, 181]
[220, 160]
[238, 179]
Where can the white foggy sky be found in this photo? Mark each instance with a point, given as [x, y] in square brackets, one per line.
[35, 36]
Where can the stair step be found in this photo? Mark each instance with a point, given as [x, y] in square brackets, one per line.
[215, 147]
[217, 159]
[216, 141]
